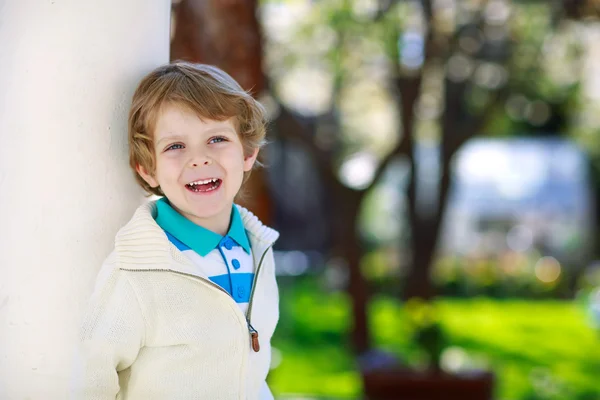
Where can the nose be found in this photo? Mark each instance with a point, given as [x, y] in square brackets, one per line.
[200, 159]
[199, 156]
[205, 162]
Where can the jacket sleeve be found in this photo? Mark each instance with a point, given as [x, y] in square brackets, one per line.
[110, 338]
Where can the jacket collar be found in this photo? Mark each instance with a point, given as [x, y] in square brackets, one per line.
[142, 245]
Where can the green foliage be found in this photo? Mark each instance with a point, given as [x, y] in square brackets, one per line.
[428, 334]
[509, 274]
[539, 350]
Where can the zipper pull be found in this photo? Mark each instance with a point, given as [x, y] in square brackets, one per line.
[255, 343]
[254, 338]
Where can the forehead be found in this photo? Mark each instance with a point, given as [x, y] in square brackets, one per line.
[173, 119]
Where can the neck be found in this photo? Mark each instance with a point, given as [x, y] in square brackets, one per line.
[218, 224]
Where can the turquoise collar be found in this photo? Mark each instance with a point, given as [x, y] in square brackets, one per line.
[196, 237]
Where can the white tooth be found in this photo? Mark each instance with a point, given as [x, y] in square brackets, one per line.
[204, 182]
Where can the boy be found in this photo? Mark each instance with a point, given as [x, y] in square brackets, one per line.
[186, 304]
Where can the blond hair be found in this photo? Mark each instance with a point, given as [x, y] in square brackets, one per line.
[207, 91]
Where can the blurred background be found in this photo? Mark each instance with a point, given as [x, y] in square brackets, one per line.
[433, 169]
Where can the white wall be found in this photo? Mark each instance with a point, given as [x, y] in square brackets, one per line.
[68, 69]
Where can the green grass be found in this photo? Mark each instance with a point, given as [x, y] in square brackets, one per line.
[538, 349]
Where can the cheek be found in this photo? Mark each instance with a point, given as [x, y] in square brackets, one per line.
[233, 159]
[168, 169]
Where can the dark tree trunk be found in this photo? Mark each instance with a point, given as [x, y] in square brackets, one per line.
[423, 233]
[426, 233]
[347, 244]
[346, 204]
[225, 33]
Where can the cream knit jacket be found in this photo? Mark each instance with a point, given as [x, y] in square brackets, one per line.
[157, 328]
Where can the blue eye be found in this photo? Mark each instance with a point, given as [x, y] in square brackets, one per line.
[217, 139]
[175, 146]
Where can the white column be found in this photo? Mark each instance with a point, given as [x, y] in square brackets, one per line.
[68, 69]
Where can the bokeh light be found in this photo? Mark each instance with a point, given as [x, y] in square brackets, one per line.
[547, 269]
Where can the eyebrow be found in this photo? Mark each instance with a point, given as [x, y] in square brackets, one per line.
[222, 129]
[168, 138]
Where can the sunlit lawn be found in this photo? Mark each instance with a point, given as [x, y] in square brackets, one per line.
[538, 349]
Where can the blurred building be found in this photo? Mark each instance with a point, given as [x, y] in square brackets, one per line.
[518, 195]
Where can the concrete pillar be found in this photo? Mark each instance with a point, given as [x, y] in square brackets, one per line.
[68, 69]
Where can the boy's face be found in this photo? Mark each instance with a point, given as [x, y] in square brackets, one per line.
[200, 166]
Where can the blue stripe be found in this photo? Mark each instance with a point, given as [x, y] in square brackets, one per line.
[242, 285]
[180, 245]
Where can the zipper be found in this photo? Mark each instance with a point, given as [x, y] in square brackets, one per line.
[253, 332]
[253, 337]
[180, 273]
[249, 311]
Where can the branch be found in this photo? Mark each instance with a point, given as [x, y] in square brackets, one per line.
[400, 149]
[383, 8]
[428, 11]
[292, 127]
[500, 97]
[409, 89]
[458, 132]
[574, 9]
[470, 129]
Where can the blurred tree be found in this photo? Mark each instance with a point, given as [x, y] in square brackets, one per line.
[451, 69]
[202, 32]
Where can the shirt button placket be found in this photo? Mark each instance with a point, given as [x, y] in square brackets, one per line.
[227, 243]
[240, 292]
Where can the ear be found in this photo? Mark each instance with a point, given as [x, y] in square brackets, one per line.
[250, 160]
[149, 178]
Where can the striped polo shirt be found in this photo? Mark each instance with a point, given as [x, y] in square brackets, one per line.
[232, 267]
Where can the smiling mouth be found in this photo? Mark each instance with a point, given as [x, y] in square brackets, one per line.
[204, 185]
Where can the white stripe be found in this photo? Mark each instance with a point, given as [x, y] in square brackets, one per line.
[213, 264]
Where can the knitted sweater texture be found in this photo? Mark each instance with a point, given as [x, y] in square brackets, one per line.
[157, 328]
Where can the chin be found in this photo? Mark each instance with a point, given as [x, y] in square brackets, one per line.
[207, 211]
